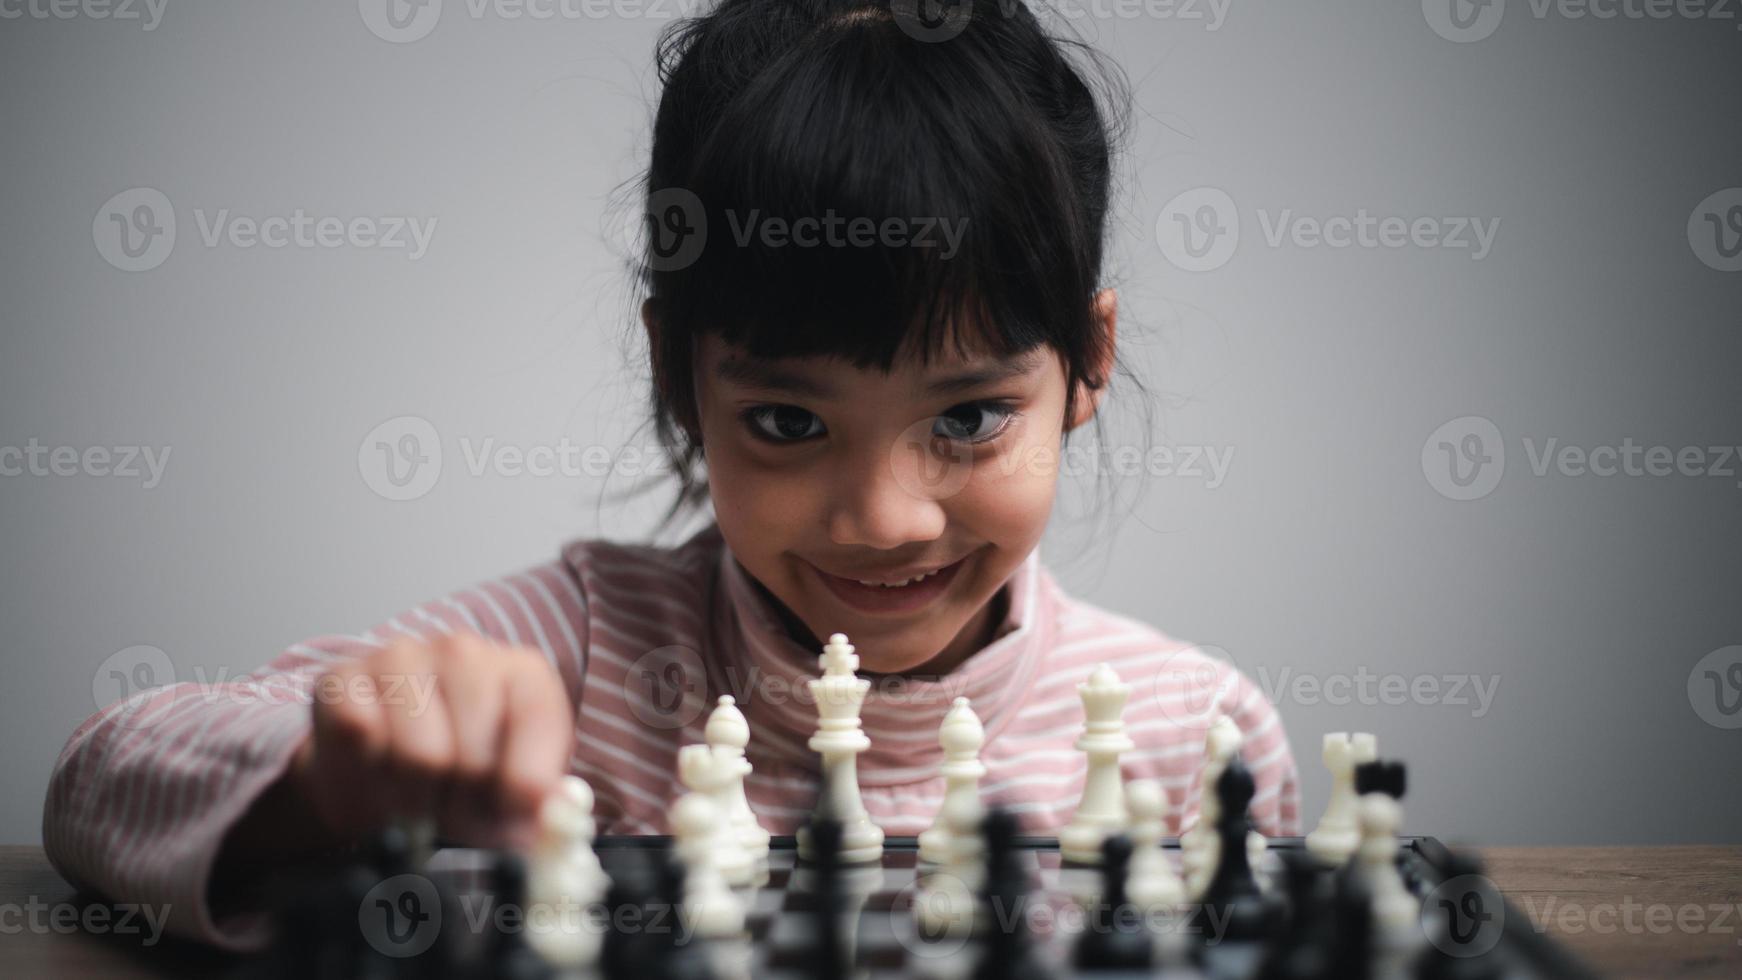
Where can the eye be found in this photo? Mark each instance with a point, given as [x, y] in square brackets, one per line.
[969, 422]
[780, 423]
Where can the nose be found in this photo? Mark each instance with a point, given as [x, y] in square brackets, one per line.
[884, 502]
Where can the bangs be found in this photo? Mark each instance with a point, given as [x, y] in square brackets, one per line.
[868, 196]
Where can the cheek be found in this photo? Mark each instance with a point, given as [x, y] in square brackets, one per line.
[755, 506]
[1009, 498]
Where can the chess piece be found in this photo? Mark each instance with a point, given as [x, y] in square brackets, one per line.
[1153, 884]
[1116, 938]
[839, 696]
[712, 772]
[507, 953]
[961, 736]
[1198, 844]
[729, 734]
[1395, 912]
[1233, 907]
[947, 905]
[566, 878]
[710, 909]
[1338, 832]
[1102, 809]
[1304, 949]
[1009, 952]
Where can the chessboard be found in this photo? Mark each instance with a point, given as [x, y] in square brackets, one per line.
[462, 914]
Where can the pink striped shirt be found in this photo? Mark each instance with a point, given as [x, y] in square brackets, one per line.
[646, 639]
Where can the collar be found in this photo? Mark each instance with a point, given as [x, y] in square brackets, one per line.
[766, 669]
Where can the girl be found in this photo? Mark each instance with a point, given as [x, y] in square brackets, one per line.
[874, 317]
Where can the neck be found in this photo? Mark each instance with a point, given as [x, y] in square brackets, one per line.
[975, 635]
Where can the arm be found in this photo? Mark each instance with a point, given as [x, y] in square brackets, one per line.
[177, 798]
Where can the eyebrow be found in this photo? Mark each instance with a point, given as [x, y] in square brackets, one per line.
[766, 375]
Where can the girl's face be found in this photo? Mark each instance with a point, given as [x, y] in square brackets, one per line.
[824, 476]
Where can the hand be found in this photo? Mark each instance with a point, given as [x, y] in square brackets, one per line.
[458, 728]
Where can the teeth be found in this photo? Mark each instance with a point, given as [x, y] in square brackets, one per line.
[897, 585]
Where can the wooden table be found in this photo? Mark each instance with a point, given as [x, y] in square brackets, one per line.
[1616, 908]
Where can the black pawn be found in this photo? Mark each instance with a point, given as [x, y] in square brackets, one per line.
[1234, 909]
[1116, 938]
[628, 903]
[1009, 949]
[506, 953]
[1304, 951]
[828, 959]
[1352, 931]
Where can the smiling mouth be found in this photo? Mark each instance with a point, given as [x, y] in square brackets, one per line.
[896, 596]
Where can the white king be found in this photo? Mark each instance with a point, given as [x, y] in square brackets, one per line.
[840, 694]
[1102, 809]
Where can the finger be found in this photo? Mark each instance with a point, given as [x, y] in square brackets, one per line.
[422, 752]
[538, 735]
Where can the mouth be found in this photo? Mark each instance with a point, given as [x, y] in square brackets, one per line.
[893, 597]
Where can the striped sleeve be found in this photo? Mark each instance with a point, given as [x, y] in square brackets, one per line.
[145, 791]
[1276, 804]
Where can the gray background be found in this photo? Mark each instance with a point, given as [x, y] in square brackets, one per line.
[1327, 550]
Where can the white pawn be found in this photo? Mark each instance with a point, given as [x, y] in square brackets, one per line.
[566, 877]
[710, 908]
[1152, 883]
[1339, 831]
[949, 902]
[703, 769]
[1396, 913]
[729, 734]
[1102, 808]
[961, 735]
[1199, 845]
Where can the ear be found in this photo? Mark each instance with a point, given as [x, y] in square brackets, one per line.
[1088, 395]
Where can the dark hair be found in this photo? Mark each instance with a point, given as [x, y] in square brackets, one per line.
[794, 108]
